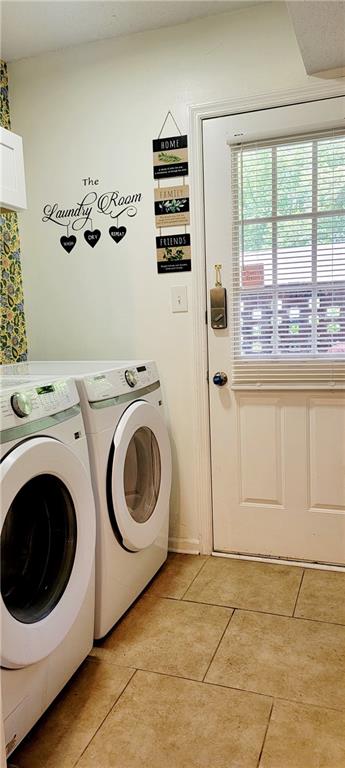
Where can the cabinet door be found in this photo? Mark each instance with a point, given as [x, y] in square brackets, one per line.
[12, 179]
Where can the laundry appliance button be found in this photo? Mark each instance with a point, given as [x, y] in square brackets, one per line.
[21, 404]
[131, 378]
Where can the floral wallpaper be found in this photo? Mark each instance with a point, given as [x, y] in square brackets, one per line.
[13, 346]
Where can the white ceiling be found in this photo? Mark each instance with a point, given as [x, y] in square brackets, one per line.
[31, 27]
[320, 30]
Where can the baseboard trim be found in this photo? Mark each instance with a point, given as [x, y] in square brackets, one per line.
[280, 561]
[184, 546]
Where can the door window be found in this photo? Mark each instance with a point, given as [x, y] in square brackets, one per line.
[38, 544]
[289, 258]
[142, 474]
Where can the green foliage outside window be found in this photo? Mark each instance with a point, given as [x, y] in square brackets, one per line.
[293, 194]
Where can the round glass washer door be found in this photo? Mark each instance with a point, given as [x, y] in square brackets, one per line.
[47, 547]
[140, 475]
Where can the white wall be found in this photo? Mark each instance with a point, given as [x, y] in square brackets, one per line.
[93, 111]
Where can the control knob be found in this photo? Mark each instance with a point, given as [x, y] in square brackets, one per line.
[21, 404]
[131, 378]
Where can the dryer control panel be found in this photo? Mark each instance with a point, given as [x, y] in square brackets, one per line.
[120, 381]
[23, 400]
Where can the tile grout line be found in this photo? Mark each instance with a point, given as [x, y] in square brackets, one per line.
[104, 719]
[264, 613]
[218, 644]
[164, 674]
[265, 735]
[309, 704]
[299, 589]
[195, 577]
[277, 698]
[231, 687]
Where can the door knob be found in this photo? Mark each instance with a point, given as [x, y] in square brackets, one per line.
[220, 378]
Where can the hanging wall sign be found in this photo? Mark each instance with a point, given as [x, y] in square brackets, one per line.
[173, 253]
[172, 206]
[170, 157]
[170, 161]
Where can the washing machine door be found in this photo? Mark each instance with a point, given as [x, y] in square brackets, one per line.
[47, 547]
[140, 475]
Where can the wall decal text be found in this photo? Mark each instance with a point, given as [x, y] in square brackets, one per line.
[68, 242]
[117, 233]
[92, 236]
[113, 204]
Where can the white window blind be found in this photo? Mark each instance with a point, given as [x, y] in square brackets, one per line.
[288, 246]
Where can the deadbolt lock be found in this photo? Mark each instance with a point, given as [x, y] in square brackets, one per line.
[218, 302]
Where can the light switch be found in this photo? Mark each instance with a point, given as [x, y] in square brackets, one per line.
[179, 299]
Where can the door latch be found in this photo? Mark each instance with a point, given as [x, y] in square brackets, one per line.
[218, 302]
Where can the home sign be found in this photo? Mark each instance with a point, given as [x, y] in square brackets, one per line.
[170, 157]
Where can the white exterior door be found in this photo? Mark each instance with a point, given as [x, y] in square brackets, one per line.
[278, 454]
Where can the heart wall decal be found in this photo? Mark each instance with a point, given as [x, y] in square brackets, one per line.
[92, 236]
[117, 233]
[68, 242]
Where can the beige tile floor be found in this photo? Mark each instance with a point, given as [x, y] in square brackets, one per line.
[220, 664]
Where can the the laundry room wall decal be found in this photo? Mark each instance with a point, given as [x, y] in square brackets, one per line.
[92, 236]
[117, 233]
[68, 242]
[92, 207]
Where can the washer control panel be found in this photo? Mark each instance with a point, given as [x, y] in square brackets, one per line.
[22, 400]
[120, 381]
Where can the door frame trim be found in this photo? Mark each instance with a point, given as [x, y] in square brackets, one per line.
[197, 114]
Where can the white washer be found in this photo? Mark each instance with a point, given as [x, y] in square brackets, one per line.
[130, 461]
[48, 533]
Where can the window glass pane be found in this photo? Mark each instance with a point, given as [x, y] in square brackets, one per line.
[294, 322]
[142, 474]
[38, 543]
[331, 320]
[331, 248]
[294, 255]
[294, 178]
[256, 323]
[256, 183]
[331, 174]
[257, 255]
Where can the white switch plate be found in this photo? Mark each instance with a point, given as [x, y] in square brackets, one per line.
[179, 298]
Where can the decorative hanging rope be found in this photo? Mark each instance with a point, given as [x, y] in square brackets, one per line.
[165, 120]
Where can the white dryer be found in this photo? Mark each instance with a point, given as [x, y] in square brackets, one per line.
[130, 461]
[48, 532]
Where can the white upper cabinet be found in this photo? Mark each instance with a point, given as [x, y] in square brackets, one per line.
[12, 178]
